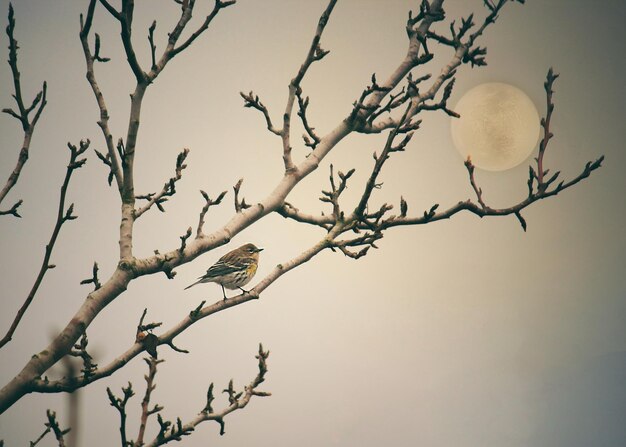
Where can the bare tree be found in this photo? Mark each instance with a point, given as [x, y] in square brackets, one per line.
[393, 107]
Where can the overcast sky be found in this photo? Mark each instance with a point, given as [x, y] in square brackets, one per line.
[467, 332]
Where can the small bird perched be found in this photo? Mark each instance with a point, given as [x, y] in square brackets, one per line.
[233, 270]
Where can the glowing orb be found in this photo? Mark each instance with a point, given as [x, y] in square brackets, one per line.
[498, 128]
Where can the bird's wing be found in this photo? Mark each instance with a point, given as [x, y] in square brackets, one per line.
[221, 268]
[229, 263]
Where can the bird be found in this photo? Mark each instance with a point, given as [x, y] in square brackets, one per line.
[233, 270]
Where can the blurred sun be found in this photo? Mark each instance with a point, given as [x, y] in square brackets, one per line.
[498, 127]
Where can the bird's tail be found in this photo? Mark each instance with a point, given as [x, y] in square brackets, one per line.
[191, 285]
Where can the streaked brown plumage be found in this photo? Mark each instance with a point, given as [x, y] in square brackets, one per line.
[233, 270]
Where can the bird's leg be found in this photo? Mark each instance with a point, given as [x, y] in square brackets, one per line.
[223, 292]
[243, 290]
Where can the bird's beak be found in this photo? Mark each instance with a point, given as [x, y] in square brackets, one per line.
[259, 249]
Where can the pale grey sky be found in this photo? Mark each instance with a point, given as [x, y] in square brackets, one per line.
[466, 332]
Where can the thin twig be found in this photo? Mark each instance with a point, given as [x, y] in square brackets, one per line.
[333, 195]
[94, 277]
[239, 205]
[237, 400]
[152, 45]
[63, 215]
[315, 53]
[54, 426]
[252, 101]
[479, 192]
[103, 123]
[36, 441]
[219, 5]
[312, 140]
[145, 403]
[209, 203]
[80, 350]
[125, 18]
[168, 190]
[545, 124]
[173, 48]
[22, 115]
[287, 210]
[119, 403]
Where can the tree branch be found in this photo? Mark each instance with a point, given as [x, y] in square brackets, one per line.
[63, 215]
[478, 210]
[237, 401]
[481, 209]
[36, 441]
[333, 195]
[94, 278]
[73, 383]
[288, 211]
[89, 366]
[23, 115]
[51, 426]
[152, 45]
[209, 203]
[54, 425]
[125, 17]
[379, 161]
[239, 205]
[145, 403]
[119, 403]
[479, 192]
[171, 50]
[13, 210]
[464, 53]
[219, 4]
[312, 139]
[547, 135]
[168, 190]
[103, 123]
[315, 53]
[252, 101]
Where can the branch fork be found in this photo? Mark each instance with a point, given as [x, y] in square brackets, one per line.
[22, 115]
